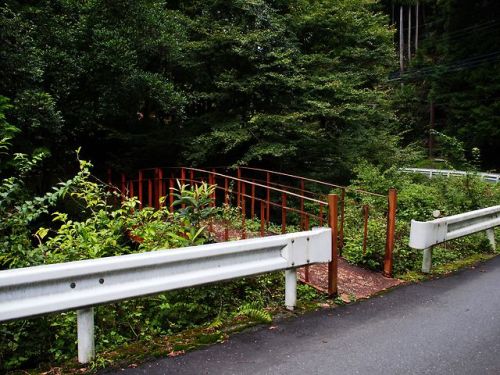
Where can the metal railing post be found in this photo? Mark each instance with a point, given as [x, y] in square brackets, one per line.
[427, 260]
[391, 228]
[490, 233]
[333, 201]
[85, 332]
[291, 288]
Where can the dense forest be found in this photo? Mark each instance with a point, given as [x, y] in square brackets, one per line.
[346, 91]
[310, 86]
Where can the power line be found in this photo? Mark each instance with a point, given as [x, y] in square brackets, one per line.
[454, 66]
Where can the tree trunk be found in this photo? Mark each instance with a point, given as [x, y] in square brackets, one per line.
[401, 39]
[409, 33]
[416, 26]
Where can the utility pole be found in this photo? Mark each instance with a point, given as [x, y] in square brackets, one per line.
[431, 128]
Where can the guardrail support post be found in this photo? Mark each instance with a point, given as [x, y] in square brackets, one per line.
[490, 233]
[427, 260]
[291, 288]
[85, 324]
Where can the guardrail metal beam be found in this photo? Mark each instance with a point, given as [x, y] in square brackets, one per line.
[34, 291]
[425, 235]
[489, 177]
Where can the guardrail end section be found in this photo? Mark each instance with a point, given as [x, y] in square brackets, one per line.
[422, 234]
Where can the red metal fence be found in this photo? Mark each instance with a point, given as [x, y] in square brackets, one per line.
[268, 197]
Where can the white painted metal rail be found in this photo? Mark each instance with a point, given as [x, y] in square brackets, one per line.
[489, 177]
[33, 291]
[425, 235]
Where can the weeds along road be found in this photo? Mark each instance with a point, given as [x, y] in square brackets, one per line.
[445, 326]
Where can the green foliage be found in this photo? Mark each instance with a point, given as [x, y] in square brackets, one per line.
[456, 68]
[418, 197]
[255, 313]
[204, 81]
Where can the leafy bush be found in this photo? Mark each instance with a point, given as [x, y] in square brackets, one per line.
[418, 197]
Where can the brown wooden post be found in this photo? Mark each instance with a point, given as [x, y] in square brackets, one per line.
[131, 189]
[124, 186]
[191, 177]
[333, 201]
[262, 218]
[391, 229]
[302, 216]
[252, 204]
[226, 203]
[365, 226]
[171, 194]
[306, 227]
[268, 198]
[140, 188]
[156, 196]
[214, 196]
[226, 191]
[243, 212]
[150, 193]
[160, 186]
[183, 176]
[342, 216]
[283, 213]
[238, 188]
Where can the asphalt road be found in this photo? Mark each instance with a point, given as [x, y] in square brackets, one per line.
[445, 326]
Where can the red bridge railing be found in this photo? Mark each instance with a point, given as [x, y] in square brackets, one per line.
[267, 196]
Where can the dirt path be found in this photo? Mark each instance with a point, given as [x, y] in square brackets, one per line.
[353, 280]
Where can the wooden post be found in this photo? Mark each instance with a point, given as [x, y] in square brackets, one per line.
[243, 212]
[283, 213]
[302, 217]
[333, 201]
[238, 188]
[156, 196]
[262, 218]
[183, 176]
[391, 228]
[160, 186]
[342, 216]
[214, 194]
[140, 189]
[150, 193]
[306, 227]
[171, 194]
[268, 198]
[252, 203]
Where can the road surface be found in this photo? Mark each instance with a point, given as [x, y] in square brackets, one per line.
[445, 326]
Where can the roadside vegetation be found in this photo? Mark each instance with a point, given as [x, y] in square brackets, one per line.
[299, 86]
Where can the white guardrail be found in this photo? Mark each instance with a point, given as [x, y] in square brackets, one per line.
[426, 234]
[489, 177]
[33, 291]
